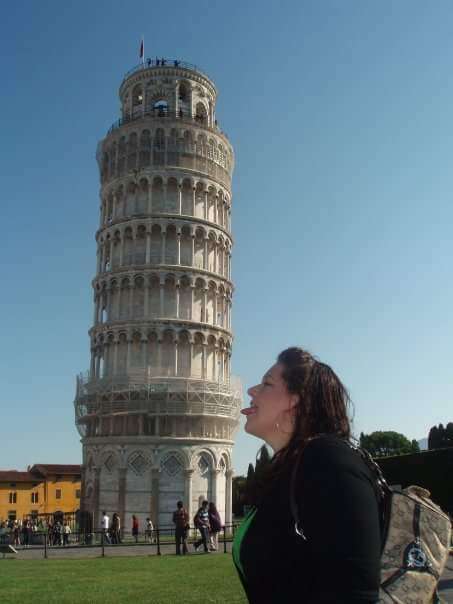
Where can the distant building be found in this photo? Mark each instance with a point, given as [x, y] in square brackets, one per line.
[158, 410]
[42, 489]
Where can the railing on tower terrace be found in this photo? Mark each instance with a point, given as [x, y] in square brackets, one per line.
[163, 62]
[162, 113]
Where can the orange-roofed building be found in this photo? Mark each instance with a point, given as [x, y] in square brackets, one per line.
[43, 489]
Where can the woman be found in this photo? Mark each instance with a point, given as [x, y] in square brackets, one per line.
[215, 526]
[300, 409]
[135, 527]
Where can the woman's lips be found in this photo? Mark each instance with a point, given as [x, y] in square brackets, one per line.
[249, 410]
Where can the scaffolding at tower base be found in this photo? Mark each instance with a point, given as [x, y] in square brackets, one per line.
[138, 393]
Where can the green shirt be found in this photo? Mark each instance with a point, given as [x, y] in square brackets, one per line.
[239, 537]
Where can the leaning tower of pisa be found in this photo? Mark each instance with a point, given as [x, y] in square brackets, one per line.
[158, 409]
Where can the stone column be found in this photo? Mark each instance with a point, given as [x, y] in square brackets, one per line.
[178, 247]
[162, 250]
[98, 364]
[175, 342]
[150, 197]
[162, 292]
[193, 201]
[155, 480]
[148, 247]
[115, 355]
[203, 362]
[204, 306]
[229, 496]
[144, 344]
[192, 289]
[128, 357]
[177, 298]
[188, 493]
[159, 363]
[214, 494]
[122, 473]
[216, 201]
[96, 488]
[205, 204]
[122, 249]
[180, 199]
[193, 251]
[93, 364]
[146, 298]
[205, 254]
[215, 322]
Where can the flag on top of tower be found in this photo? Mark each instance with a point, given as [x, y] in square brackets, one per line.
[142, 49]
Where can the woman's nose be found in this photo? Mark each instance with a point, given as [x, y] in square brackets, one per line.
[251, 391]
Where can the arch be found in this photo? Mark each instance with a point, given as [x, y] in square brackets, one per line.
[154, 297]
[170, 297]
[145, 148]
[160, 108]
[152, 356]
[171, 249]
[172, 201]
[185, 299]
[201, 114]
[158, 194]
[187, 198]
[159, 147]
[184, 356]
[197, 356]
[128, 247]
[168, 353]
[138, 298]
[142, 196]
[121, 165]
[137, 96]
[132, 151]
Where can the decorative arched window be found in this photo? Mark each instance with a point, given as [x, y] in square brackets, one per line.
[160, 108]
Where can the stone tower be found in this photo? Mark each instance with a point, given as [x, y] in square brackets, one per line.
[158, 409]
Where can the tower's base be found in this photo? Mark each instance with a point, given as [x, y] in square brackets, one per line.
[146, 477]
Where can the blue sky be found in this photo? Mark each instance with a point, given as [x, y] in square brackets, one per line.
[340, 114]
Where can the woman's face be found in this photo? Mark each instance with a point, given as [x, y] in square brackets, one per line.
[270, 415]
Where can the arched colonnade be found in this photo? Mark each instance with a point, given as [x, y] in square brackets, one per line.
[170, 195]
[161, 353]
[165, 242]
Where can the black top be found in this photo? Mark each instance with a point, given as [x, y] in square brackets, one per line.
[340, 561]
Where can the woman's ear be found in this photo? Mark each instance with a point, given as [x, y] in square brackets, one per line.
[294, 400]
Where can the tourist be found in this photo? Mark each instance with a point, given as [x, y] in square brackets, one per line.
[201, 522]
[149, 531]
[105, 523]
[181, 521]
[215, 524]
[115, 531]
[135, 528]
[300, 409]
[66, 533]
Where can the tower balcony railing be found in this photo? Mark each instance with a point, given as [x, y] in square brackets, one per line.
[87, 384]
[149, 63]
[160, 113]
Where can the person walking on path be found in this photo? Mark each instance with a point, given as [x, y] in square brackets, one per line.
[66, 533]
[105, 525]
[149, 531]
[201, 522]
[115, 532]
[215, 524]
[181, 521]
[135, 528]
[313, 535]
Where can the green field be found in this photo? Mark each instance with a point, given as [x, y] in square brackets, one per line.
[137, 579]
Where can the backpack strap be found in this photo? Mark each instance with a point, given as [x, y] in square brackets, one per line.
[381, 486]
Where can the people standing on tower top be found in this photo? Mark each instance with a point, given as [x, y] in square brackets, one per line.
[313, 534]
[201, 522]
[181, 522]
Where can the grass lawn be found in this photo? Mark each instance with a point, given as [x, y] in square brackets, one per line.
[154, 580]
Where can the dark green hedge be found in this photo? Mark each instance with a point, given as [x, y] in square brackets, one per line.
[432, 470]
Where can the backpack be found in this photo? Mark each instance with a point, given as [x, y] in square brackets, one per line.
[416, 537]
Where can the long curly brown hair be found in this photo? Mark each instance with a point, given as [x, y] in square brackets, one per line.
[323, 407]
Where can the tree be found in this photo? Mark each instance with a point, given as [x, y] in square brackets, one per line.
[238, 495]
[382, 444]
[440, 437]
